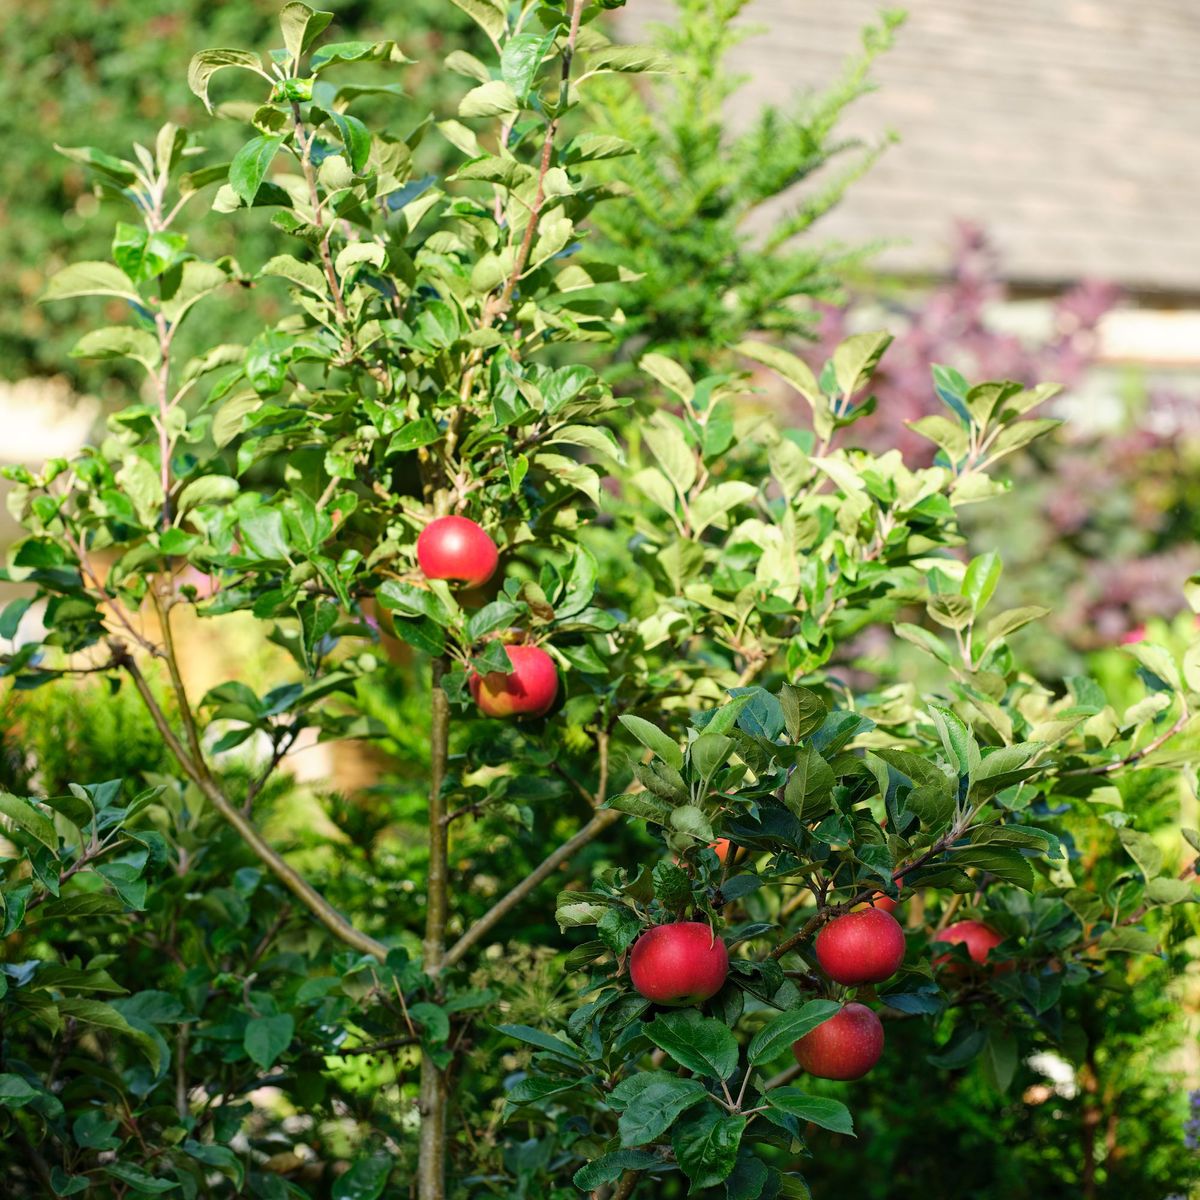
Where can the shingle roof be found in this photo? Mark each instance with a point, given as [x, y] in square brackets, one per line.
[1070, 129]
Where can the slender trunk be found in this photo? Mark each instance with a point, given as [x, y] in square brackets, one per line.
[1091, 1121]
[431, 1169]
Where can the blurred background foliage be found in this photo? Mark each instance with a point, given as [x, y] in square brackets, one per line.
[1107, 524]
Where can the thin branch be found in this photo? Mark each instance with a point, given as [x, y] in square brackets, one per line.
[304, 142]
[1136, 755]
[592, 830]
[539, 196]
[172, 659]
[282, 870]
[394, 1043]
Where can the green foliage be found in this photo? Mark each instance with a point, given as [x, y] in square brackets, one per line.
[70, 74]
[715, 232]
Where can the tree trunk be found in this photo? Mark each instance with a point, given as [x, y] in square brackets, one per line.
[431, 1170]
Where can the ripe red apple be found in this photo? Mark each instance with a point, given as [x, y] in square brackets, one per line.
[528, 692]
[683, 963]
[861, 947]
[846, 1046]
[978, 939]
[458, 549]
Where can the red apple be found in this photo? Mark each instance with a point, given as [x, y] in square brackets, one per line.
[978, 939]
[846, 1046]
[528, 692]
[458, 549]
[861, 947]
[683, 963]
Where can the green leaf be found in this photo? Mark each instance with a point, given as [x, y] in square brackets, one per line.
[117, 169]
[952, 612]
[104, 1016]
[489, 15]
[521, 60]
[491, 99]
[1157, 661]
[26, 817]
[949, 435]
[809, 785]
[670, 374]
[143, 1183]
[264, 534]
[1000, 1058]
[818, 1110]
[542, 1040]
[91, 279]
[983, 573]
[1020, 434]
[250, 165]
[220, 1157]
[701, 1044]
[591, 437]
[1169, 891]
[1007, 864]
[957, 740]
[803, 710]
[709, 752]
[15, 1092]
[664, 435]
[207, 489]
[691, 819]
[356, 139]
[608, 1168]
[619, 928]
[651, 1102]
[711, 506]
[706, 1146]
[301, 27]
[788, 367]
[343, 52]
[266, 1038]
[855, 360]
[305, 275]
[208, 62]
[197, 280]
[632, 59]
[119, 341]
[365, 1180]
[654, 739]
[780, 1032]
[1144, 851]
[68, 1185]
[1127, 940]
[144, 255]
[1008, 622]
[414, 434]
[641, 805]
[126, 882]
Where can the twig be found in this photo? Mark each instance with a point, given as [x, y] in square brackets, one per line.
[592, 830]
[283, 871]
[1136, 755]
[305, 144]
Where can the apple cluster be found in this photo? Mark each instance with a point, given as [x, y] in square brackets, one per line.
[459, 550]
[685, 963]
